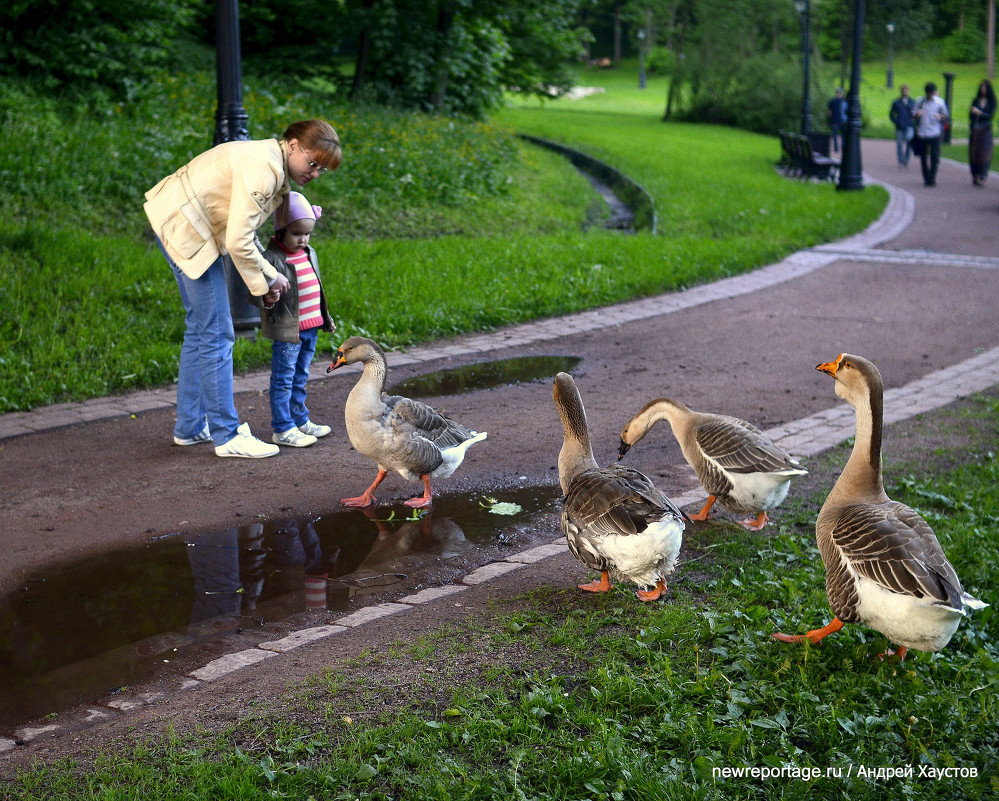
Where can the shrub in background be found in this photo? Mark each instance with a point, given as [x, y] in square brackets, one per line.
[964, 47]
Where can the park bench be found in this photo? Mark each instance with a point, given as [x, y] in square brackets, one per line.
[807, 156]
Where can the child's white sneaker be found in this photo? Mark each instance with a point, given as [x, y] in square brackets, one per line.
[294, 438]
[314, 429]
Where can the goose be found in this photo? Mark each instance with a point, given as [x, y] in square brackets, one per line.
[884, 565]
[735, 462]
[614, 518]
[414, 439]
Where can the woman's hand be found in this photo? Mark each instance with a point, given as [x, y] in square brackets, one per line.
[281, 285]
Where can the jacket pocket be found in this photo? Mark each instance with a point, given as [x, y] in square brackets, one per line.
[185, 231]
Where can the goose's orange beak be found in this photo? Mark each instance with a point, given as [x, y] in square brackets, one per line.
[339, 361]
[830, 368]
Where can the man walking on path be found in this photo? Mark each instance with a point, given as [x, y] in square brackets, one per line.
[901, 115]
[930, 115]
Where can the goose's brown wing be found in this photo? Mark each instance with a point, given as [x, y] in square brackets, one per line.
[890, 544]
[426, 421]
[741, 447]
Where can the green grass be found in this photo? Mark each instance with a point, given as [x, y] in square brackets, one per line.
[432, 228]
[576, 696]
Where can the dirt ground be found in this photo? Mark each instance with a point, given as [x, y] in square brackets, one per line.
[89, 489]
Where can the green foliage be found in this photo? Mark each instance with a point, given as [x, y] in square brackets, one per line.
[86, 44]
[458, 56]
[964, 46]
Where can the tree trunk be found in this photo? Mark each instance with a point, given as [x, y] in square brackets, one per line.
[363, 49]
[990, 43]
[446, 13]
[617, 34]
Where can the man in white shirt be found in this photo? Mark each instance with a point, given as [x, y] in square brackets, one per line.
[931, 115]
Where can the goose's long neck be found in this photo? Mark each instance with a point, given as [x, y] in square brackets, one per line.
[861, 478]
[576, 455]
[372, 380]
[673, 412]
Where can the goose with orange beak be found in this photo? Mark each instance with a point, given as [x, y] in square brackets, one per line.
[884, 565]
[415, 440]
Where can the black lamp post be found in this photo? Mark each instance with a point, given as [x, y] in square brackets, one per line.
[803, 8]
[230, 125]
[891, 54]
[230, 116]
[641, 57]
[949, 100]
[851, 169]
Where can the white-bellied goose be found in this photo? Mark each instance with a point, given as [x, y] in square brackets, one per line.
[735, 462]
[614, 518]
[414, 439]
[884, 565]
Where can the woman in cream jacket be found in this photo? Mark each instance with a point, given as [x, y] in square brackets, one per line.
[210, 207]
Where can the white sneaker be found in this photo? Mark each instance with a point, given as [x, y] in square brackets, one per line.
[314, 429]
[247, 446]
[202, 436]
[294, 438]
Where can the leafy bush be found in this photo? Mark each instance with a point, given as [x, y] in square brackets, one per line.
[964, 47]
[86, 44]
[763, 96]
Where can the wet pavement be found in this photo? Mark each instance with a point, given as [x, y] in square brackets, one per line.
[83, 629]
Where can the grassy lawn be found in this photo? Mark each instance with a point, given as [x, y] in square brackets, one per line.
[563, 695]
[432, 228]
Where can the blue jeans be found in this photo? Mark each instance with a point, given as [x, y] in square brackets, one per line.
[289, 372]
[903, 148]
[204, 379]
[836, 134]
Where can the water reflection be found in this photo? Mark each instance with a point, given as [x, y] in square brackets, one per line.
[485, 375]
[79, 630]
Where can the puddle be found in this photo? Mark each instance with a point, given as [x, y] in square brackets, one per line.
[485, 375]
[77, 632]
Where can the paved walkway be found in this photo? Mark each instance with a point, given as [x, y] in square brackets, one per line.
[804, 437]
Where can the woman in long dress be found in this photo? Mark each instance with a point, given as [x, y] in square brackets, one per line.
[983, 107]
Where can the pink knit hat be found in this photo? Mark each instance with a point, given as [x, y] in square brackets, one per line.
[296, 207]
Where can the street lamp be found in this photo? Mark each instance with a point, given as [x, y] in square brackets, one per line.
[891, 54]
[641, 57]
[851, 169]
[803, 9]
[230, 125]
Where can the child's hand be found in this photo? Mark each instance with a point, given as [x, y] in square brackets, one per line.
[271, 297]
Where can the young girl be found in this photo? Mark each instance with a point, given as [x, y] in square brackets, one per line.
[293, 320]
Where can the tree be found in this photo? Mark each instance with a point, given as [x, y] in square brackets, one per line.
[458, 56]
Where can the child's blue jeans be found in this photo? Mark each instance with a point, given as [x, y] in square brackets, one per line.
[289, 372]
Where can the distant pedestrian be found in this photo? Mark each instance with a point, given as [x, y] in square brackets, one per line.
[901, 115]
[210, 207]
[292, 320]
[836, 113]
[930, 115]
[983, 109]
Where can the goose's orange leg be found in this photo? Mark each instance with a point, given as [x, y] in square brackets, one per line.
[812, 636]
[603, 585]
[703, 514]
[654, 594]
[755, 525]
[368, 496]
[424, 500]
